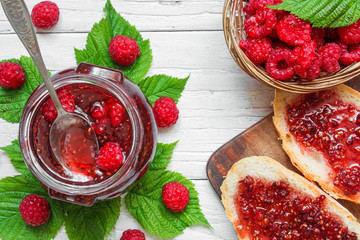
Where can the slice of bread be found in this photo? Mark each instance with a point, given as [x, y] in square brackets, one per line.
[309, 161]
[271, 170]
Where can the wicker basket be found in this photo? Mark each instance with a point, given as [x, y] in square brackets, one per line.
[233, 30]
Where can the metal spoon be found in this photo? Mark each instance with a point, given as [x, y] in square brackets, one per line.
[19, 18]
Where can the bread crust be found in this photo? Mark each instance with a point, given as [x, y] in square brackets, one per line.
[271, 170]
[310, 162]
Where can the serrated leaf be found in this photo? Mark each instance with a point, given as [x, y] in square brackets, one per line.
[87, 223]
[323, 13]
[12, 101]
[16, 159]
[162, 156]
[97, 45]
[158, 86]
[12, 226]
[144, 203]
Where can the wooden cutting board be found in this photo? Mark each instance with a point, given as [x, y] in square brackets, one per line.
[259, 140]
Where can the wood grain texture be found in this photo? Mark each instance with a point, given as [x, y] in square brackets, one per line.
[261, 139]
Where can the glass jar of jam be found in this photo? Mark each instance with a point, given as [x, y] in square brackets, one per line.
[82, 181]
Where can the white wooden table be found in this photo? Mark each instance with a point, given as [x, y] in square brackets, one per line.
[186, 37]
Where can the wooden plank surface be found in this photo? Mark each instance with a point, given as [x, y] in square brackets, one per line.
[261, 139]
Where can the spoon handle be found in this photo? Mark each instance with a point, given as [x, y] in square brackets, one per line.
[19, 18]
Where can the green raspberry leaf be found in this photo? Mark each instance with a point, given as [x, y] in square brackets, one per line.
[162, 156]
[158, 86]
[323, 13]
[14, 153]
[12, 226]
[145, 204]
[12, 102]
[92, 223]
[97, 45]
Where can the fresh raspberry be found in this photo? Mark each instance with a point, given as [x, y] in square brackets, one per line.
[257, 49]
[261, 24]
[318, 35]
[302, 58]
[278, 65]
[350, 55]
[116, 111]
[110, 157]
[35, 210]
[314, 70]
[67, 100]
[350, 34]
[249, 8]
[133, 234]
[166, 112]
[294, 31]
[12, 75]
[97, 111]
[330, 53]
[124, 50]
[45, 15]
[330, 65]
[175, 196]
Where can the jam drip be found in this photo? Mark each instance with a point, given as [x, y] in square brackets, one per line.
[273, 210]
[322, 121]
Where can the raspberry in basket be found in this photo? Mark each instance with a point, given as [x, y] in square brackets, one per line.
[261, 24]
[278, 65]
[302, 57]
[330, 54]
[45, 15]
[350, 34]
[257, 49]
[350, 55]
[294, 31]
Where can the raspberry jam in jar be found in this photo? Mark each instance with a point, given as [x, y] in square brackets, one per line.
[275, 210]
[120, 115]
[325, 123]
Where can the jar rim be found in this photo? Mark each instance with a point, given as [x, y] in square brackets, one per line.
[67, 186]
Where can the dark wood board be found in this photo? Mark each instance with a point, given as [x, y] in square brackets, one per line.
[259, 140]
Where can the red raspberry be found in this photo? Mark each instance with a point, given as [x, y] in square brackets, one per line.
[116, 111]
[294, 31]
[257, 49]
[35, 210]
[45, 15]
[278, 65]
[175, 196]
[318, 35]
[250, 8]
[350, 34]
[97, 111]
[133, 234]
[350, 54]
[110, 157]
[261, 24]
[314, 70]
[67, 100]
[12, 75]
[330, 50]
[124, 50]
[302, 58]
[166, 112]
[330, 53]
[330, 65]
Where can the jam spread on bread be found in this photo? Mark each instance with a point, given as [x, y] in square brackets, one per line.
[324, 122]
[274, 210]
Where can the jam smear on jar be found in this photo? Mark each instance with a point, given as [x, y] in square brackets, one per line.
[274, 210]
[110, 121]
[322, 121]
